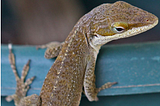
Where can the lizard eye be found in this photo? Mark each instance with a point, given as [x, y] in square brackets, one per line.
[119, 27]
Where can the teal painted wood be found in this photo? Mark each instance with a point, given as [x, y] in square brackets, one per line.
[123, 100]
[5, 103]
[136, 68]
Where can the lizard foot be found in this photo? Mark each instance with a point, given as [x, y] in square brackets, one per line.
[53, 49]
[105, 86]
[22, 87]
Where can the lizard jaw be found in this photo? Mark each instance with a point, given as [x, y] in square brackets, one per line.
[100, 40]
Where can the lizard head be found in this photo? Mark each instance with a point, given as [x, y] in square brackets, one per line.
[119, 20]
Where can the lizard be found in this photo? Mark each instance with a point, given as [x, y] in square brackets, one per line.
[73, 70]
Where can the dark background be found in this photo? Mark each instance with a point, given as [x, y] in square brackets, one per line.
[36, 22]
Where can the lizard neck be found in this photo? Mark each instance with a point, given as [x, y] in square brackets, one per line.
[84, 25]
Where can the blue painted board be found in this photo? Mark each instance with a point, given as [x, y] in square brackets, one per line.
[151, 99]
[136, 68]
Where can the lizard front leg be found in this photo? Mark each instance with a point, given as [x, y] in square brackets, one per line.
[22, 87]
[90, 89]
[53, 49]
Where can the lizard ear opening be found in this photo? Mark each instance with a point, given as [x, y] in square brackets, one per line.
[119, 27]
[96, 35]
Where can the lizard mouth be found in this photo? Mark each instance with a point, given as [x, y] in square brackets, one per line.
[138, 30]
[101, 40]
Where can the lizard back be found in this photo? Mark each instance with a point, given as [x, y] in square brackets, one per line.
[64, 81]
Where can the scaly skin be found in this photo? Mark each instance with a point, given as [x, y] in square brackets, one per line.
[75, 64]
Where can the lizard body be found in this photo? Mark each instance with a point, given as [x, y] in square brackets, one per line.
[74, 67]
[65, 79]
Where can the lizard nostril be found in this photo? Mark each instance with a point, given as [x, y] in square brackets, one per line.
[147, 20]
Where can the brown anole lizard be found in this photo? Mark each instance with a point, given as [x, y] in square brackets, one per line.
[74, 67]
